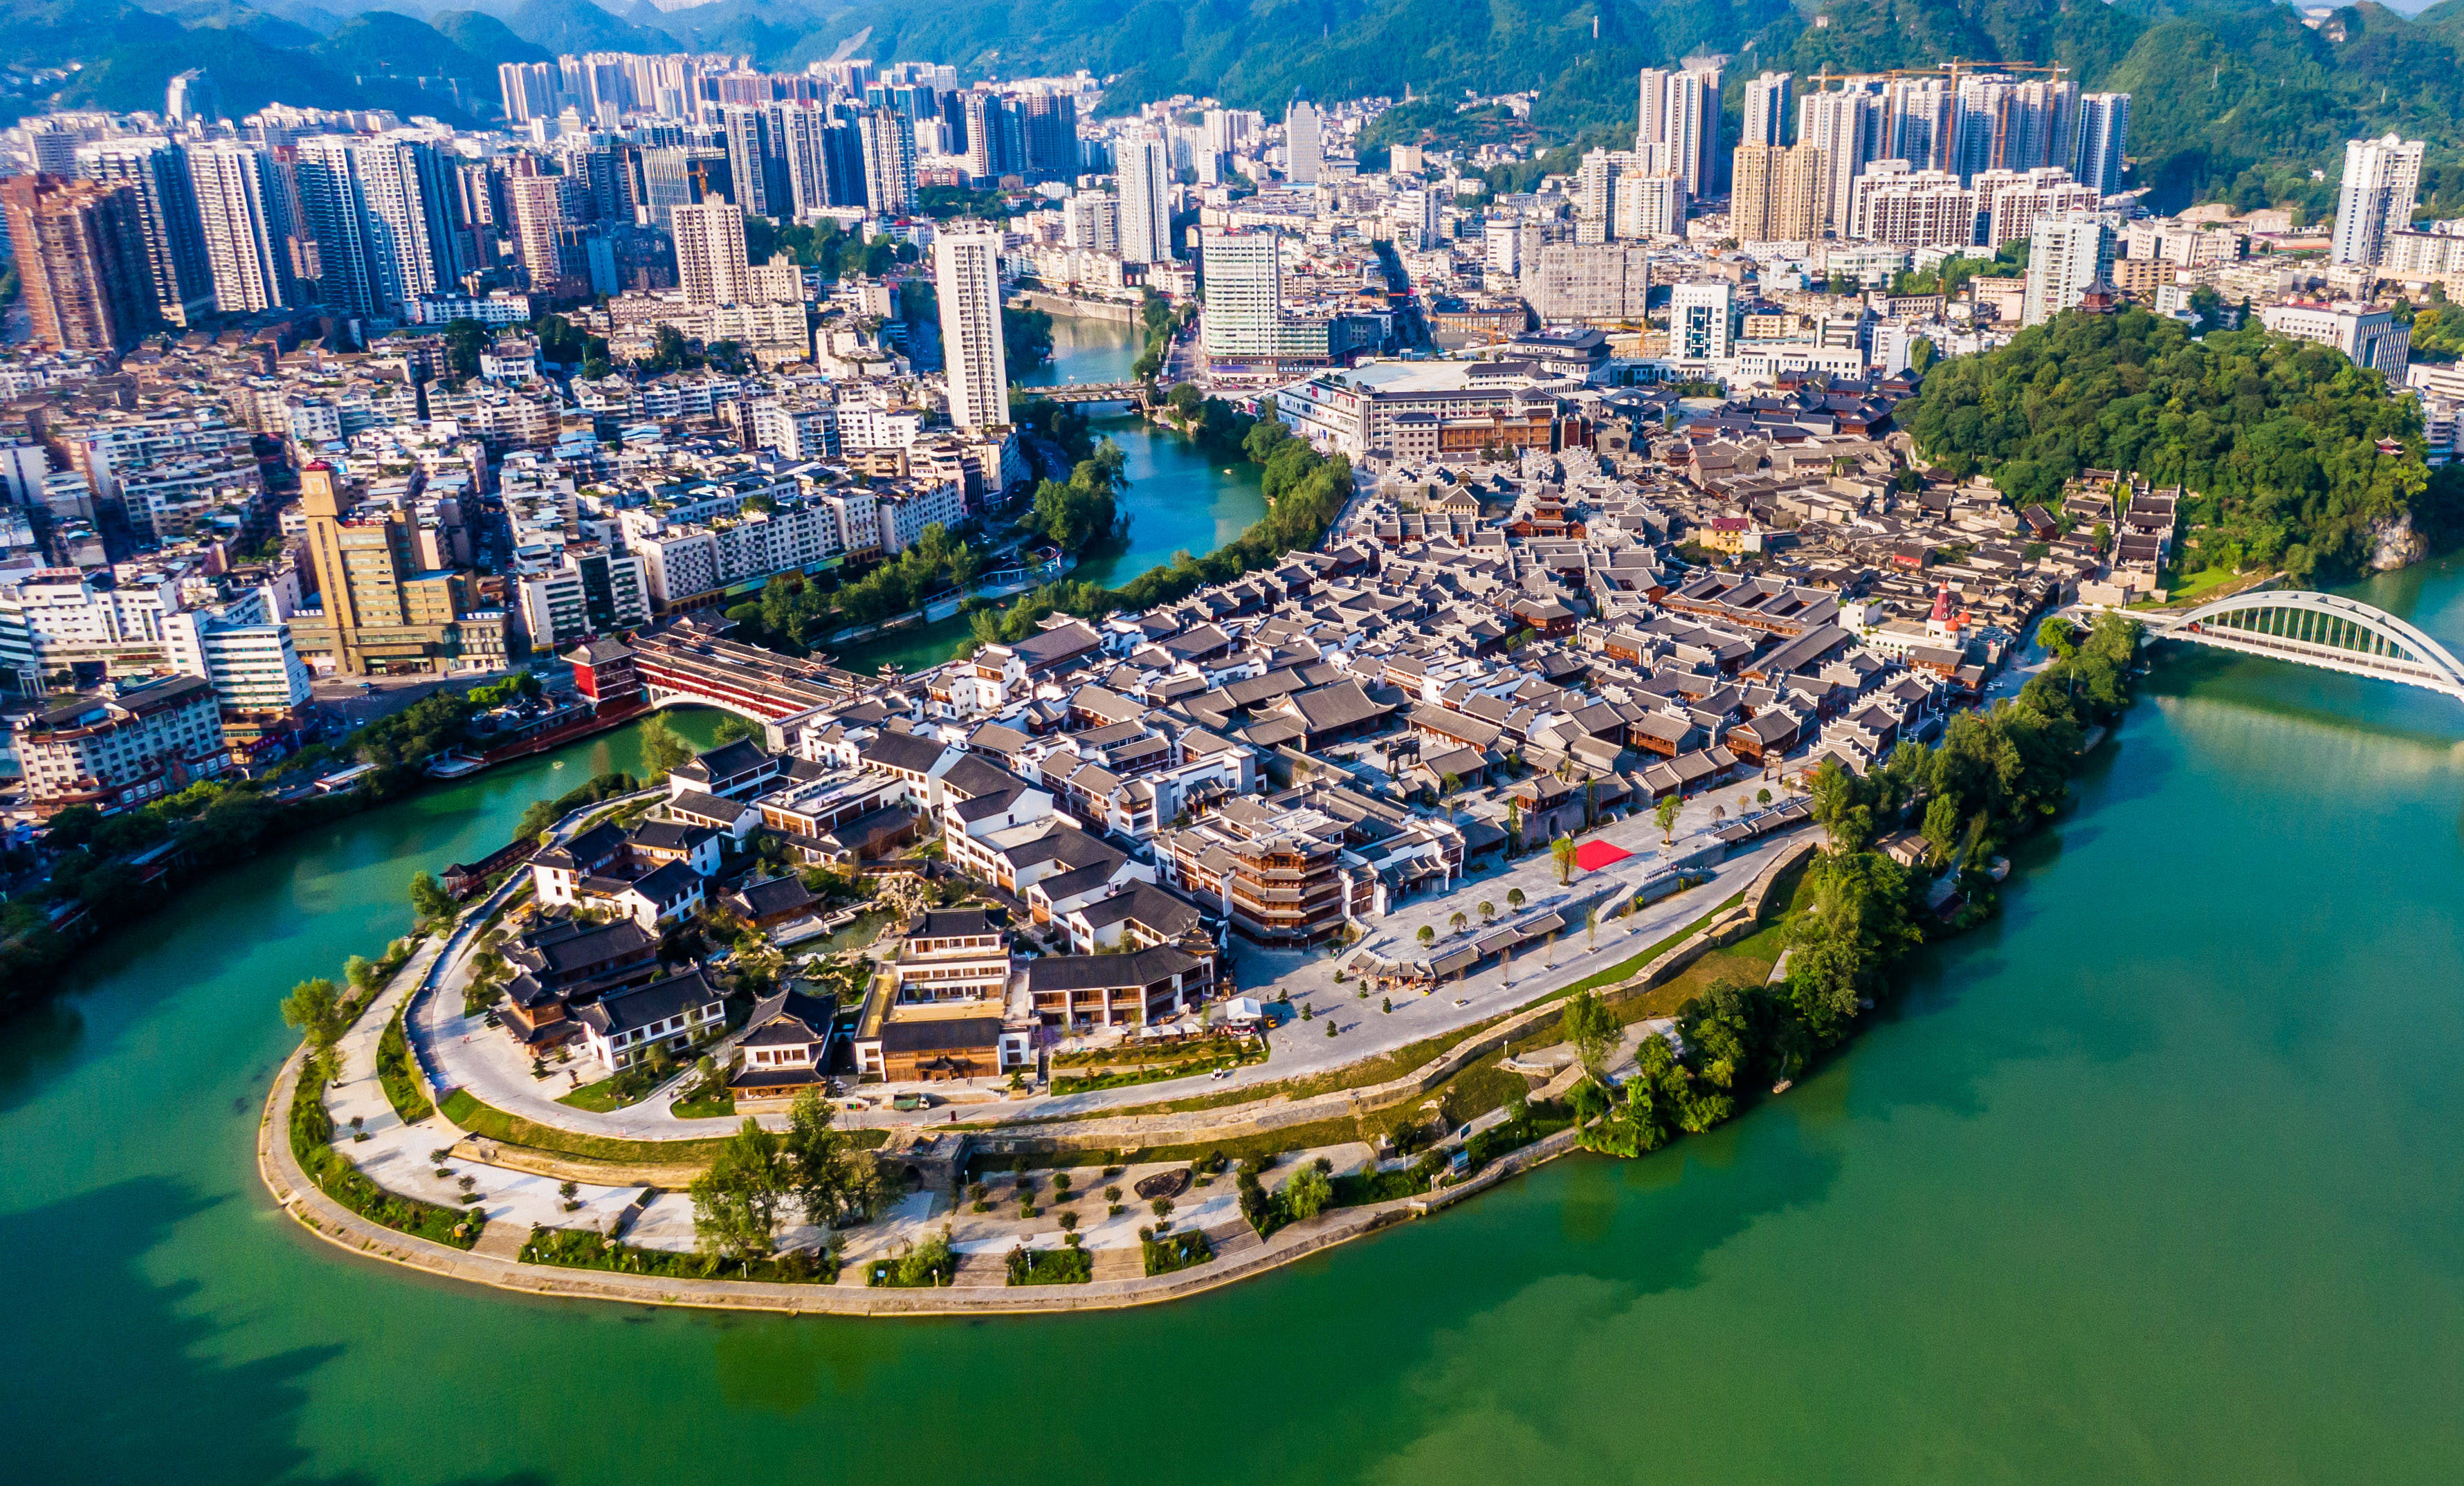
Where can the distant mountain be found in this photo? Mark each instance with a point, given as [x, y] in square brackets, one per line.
[577, 26]
[488, 39]
[2233, 98]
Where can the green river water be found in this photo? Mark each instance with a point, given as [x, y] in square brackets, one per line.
[1175, 501]
[2155, 1178]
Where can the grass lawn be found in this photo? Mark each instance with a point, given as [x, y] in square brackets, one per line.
[599, 1098]
[713, 1107]
[465, 1109]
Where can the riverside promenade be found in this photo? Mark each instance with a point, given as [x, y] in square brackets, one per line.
[513, 1202]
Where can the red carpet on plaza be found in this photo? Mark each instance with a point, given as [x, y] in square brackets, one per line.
[1593, 855]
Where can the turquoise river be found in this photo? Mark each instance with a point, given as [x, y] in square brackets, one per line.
[2155, 1178]
[1175, 501]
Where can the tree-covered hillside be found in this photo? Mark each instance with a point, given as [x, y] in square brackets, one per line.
[2278, 441]
[2233, 100]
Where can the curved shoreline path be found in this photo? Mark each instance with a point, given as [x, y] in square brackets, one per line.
[514, 1201]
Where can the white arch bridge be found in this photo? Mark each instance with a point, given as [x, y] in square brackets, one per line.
[2321, 630]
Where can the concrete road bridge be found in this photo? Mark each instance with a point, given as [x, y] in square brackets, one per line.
[2322, 630]
[1090, 392]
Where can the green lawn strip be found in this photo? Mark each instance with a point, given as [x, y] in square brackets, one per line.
[465, 1109]
[1087, 1084]
[601, 1098]
[718, 1107]
[1071, 1265]
[1178, 1251]
[393, 1072]
[573, 1249]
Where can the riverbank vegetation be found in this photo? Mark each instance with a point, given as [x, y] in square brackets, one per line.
[1173, 1252]
[1996, 777]
[2291, 455]
[812, 1165]
[112, 870]
[570, 1248]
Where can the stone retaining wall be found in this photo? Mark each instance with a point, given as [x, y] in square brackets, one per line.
[347, 1229]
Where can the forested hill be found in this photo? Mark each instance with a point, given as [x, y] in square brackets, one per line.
[2278, 441]
[2232, 99]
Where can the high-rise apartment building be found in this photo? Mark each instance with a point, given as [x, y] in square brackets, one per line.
[1145, 173]
[2010, 202]
[80, 261]
[529, 90]
[238, 219]
[192, 98]
[2065, 254]
[1648, 204]
[757, 170]
[710, 267]
[1303, 141]
[1775, 194]
[334, 219]
[2382, 181]
[541, 207]
[1769, 119]
[966, 274]
[1680, 111]
[157, 169]
[888, 140]
[800, 132]
[2103, 137]
[1911, 208]
[1842, 124]
[1244, 274]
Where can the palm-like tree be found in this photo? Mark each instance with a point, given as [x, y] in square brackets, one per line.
[1457, 921]
[1487, 910]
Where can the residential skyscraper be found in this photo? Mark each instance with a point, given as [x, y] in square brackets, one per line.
[541, 207]
[801, 131]
[1244, 274]
[1680, 110]
[2382, 179]
[1145, 171]
[1303, 141]
[889, 161]
[157, 168]
[759, 173]
[1769, 119]
[710, 267]
[409, 198]
[1775, 195]
[80, 261]
[966, 274]
[1841, 125]
[529, 90]
[2103, 137]
[2066, 253]
[192, 98]
[238, 214]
